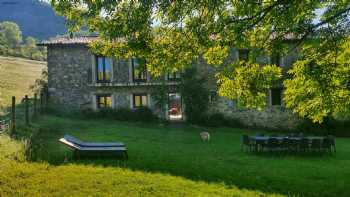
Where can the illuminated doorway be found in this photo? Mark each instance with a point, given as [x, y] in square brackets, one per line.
[175, 106]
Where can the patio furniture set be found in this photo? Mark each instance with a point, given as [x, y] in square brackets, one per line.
[289, 143]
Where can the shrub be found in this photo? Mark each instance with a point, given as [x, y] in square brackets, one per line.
[329, 126]
[123, 114]
[219, 120]
[144, 114]
[215, 120]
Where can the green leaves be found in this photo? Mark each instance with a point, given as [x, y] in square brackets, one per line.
[248, 83]
[320, 82]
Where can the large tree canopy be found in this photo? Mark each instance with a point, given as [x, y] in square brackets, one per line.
[169, 35]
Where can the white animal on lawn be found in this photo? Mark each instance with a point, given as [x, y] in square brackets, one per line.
[205, 136]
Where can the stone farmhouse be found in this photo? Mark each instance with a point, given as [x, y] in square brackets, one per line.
[77, 78]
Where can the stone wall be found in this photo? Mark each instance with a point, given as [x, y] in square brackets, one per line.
[72, 85]
[68, 75]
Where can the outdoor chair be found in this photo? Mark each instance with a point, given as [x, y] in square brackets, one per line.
[332, 142]
[293, 145]
[246, 142]
[304, 144]
[316, 145]
[83, 148]
[272, 144]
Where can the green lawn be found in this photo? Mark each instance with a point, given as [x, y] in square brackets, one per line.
[20, 178]
[177, 150]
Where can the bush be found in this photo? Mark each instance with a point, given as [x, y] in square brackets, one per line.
[123, 114]
[219, 120]
[329, 127]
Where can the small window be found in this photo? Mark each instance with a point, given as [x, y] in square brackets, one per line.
[175, 76]
[139, 71]
[103, 69]
[276, 96]
[104, 101]
[243, 54]
[140, 100]
[275, 59]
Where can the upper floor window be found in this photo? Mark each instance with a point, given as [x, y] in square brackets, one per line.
[275, 59]
[103, 101]
[103, 69]
[139, 72]
[140, 100]
[276, 96]
[174, 76]
[243, 54]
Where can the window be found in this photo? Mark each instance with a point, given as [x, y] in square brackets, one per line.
[103, 69]
[139, 72]
[243, 54]
[174, 76]
[276, 96]
[103, 101]
[213, 97]
[140, 100]
[275, 59]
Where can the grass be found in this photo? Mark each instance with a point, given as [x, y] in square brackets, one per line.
[177, 150]
[21, 178]
[16, 76]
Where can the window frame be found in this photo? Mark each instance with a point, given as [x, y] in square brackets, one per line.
[98, 103]
[103, 80]
[141, 103]
[240, 51]
[139, 79]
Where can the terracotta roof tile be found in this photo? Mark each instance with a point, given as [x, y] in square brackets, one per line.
[81, 40]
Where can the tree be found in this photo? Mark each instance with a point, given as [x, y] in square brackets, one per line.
[172, 34]
[320, 83]
[10, 34]
[195, 95]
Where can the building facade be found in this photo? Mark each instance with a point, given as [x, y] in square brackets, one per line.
[77, 78]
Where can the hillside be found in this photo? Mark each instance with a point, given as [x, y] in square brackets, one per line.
[35, 18]
[16, 75]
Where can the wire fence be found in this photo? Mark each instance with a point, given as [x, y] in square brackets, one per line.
[22, 111]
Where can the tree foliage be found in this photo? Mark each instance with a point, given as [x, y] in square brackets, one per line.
[11, 43]
[170, 35]
[248, 83]
[195, 95]
[320, 83]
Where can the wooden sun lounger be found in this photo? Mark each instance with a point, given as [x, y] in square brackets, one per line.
[78, 149]
[92, 144]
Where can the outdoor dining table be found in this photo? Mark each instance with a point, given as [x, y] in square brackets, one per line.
[260, 141]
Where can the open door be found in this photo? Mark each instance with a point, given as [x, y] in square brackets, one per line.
[175, 106]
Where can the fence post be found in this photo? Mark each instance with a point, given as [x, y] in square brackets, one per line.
[41, 102]
[13, 116]
[26, 109]
[35, 105]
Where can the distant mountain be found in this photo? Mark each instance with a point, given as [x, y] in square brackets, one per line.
[35, 18]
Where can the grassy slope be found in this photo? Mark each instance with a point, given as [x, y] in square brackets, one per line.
[16, 75]
[178, 151]
[18, 178]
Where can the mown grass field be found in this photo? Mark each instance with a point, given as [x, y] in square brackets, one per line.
[21, 178]
[178, 151]
[16, 76]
